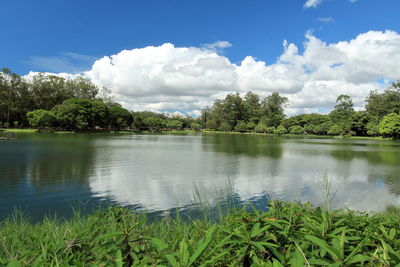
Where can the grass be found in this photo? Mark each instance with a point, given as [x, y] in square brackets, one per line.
[288, 234]
[20, 130]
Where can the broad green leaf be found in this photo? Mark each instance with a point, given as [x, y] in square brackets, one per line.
[322, 244]
[118, 259]
[358, 258]
[202, 245]
[14, 263]
[159, 244]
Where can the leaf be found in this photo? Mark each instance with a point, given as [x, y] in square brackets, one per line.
[276, 263]
[108, 235]
[171, 259]
[184, 252]
[14, 263]
[118, 259]
[392, 233]
[202, 245]
[159, 244]
[322, 244]
[358, 258]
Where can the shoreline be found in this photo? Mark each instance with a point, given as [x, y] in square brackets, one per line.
[177, 132]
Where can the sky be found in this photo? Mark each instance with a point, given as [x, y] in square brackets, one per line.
[180, 56]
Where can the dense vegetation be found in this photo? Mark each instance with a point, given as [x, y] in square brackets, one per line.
[289, 234]
[251, 114]
[73, 104]
[77, 104]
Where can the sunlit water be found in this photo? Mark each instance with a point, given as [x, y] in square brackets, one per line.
[50, 173]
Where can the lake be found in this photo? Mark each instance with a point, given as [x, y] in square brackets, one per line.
[53, 173]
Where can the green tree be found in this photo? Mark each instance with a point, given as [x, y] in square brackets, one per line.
[252, 107]
[241, 127]
[390, 126]
[261, 127]
[280, 130]
[120, 118]
[336, 130]
[41, 118]
[296, 129]
[272, 109]
[225, 126]
[381, 104]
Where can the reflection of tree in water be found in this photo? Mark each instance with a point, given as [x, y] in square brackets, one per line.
[68, 161]
[388, 157]
[249, 145]
[47, 161]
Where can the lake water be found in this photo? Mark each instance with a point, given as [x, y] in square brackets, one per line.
[50, 173]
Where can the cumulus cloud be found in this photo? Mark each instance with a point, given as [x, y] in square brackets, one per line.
[167, 78]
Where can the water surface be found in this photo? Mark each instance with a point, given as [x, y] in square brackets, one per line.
[49, 173]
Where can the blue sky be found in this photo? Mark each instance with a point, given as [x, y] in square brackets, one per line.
[68, 36]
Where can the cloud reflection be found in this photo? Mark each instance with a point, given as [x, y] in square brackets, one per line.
[162, 172]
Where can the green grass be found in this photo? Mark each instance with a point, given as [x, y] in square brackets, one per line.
[289, 234]
[21, 130]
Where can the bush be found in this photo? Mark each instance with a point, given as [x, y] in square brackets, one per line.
[336, 130]
[280, 130]
[225, 126]
[296, 129]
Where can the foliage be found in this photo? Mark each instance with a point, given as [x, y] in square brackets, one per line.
[336, 130]
[296, 129]
[288, 234]
[280, 130]
[120, 118]
[18, 96]
[390, 125]
[225, 126]
[41, 118]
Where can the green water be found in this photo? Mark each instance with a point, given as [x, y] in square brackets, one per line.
[49, 173]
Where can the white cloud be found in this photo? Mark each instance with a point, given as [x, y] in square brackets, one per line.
[315, 3]
[217, 45]
[186, 79]
[312, 3]
[326, 19]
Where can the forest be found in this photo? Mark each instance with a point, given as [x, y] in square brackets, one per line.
[252, 114]
[52, 102]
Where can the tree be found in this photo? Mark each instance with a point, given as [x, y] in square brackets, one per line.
[241, 127]
[41, 118]
[280, 130]
[174, 124]
[272, 109]
[390, 126]
[381, 104]
[225, 126]
[233, 109]
[252, 107]
[120, 118]
[261, 127]
[296, 129]
[336, 130]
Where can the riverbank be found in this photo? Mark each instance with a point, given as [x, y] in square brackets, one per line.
[177, 132]
[289, 234]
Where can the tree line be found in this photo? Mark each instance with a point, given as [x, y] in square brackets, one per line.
[253, 114]
[48, 101]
